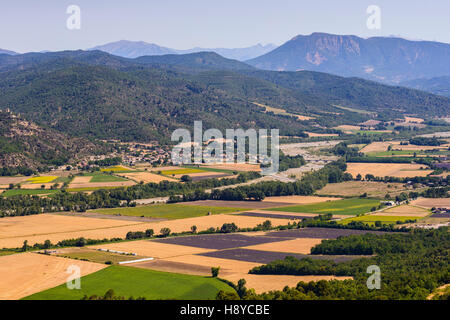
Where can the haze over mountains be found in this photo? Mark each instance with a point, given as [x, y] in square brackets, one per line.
[390, 60]
[3, 51]
[134, 49]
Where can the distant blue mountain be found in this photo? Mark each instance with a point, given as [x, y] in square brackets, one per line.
[3, 51]
[390, 60]
[135, 49]
[437, 85]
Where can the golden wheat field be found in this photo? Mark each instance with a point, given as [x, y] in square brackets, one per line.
[399, 170]
[26, 273]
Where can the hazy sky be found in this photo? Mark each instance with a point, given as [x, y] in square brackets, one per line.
[35, 25]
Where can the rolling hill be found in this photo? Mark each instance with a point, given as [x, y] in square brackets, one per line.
[3, 51]
[23, 143]
[96, 95]
[135, 49]
[437, 85]
[389, 60]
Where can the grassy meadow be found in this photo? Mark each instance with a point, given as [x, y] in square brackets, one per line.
[352, 206]
[129, 281]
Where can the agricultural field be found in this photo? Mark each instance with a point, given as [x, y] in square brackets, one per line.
[105, 178]
[381, 149]
[404, 210]
[387, 219]
[41, 180]
[399, 170]
[183, 171]
[282, 112]
[95, 256]
[38, 228]
[432, 203]
[374, 189]
[146, 177]
[116, 169]
[231, 167]
[353, 206]
[24, 274]
[34, 192]
[167, 211]
[235, 253]
[136, 282]
[299, 199]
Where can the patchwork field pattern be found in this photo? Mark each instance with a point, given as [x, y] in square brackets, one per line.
[38, 228]
[167, 211]
[128, 281]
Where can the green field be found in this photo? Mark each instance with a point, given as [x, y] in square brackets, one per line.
[99, 256]
[371, 219]
[129, 281]
[15, 192]
[102, 177]
[407, 153]
[370, 132]
[212, 169]
[181, 171]
[167, 211]
[91, 189]
[346, 207]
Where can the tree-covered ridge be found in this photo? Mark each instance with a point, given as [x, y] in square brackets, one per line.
[102, 96]
[24, 144]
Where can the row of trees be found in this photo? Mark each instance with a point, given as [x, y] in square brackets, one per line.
[64, 201]
[331, 173]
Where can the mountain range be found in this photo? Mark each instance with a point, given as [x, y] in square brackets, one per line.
[94, 95]
[135, 49]
[437, 85]
[388, 60]
[3, 51]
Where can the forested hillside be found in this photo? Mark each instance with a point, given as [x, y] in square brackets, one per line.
[27, 145]
[97, 95]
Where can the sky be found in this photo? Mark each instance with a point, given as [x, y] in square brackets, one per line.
[37, 25]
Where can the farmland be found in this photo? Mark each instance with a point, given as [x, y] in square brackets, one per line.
[40, 180]
[385, 219]
[146, 177]
[38, 228]
[95, 256]
[399, 170]
[150, 284]
[15, 192]
[28, 273]
[167, 211]
[339, 207]
[357, 188]
[116, 169]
